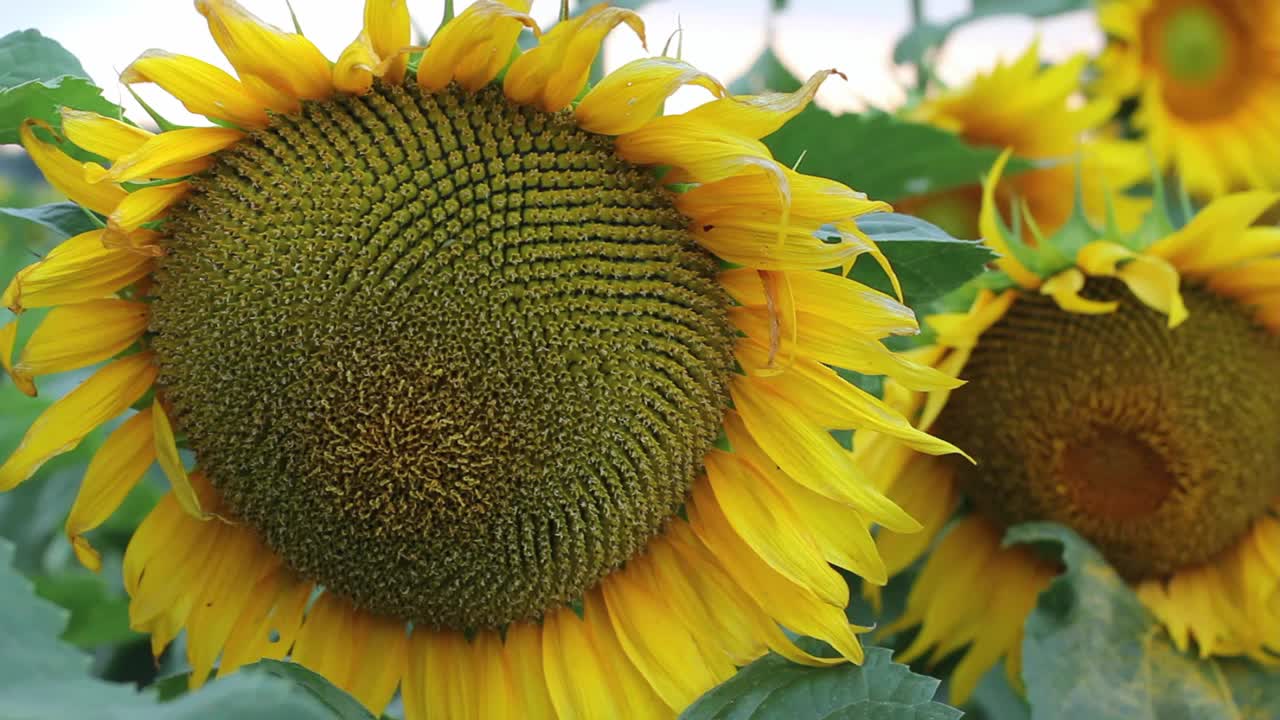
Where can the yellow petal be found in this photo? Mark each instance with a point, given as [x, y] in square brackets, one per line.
[809, 455]
[223, 595]
[475, 45]
[389, 29]
[663, 651]
[962, 330]
[833, 297]
[76, 336]
[170, 148]
[707, 153]
[66, 174]
[831, 402]
[759, 115]
[77, 270]
[102, 135]
[180, 483]
[523, 654]
[498, 699]
[989, 224]
[1065, 289]
[325, 642]
[62, 425]
[144, 205]
[755, 244]
[1213, 230]
[836, 346]
[761, 516]
[202, 88]
[115, 469]
[1150, 278]
[172, 578]
[288, 62]
[353, 73]
[577, 679]
[9, 335]
[814, 201]
[552, 74]
[739, 618]
[269, 621]
[632, 95]
[795, 606]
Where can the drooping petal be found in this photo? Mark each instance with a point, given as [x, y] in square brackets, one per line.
[66, 174]
[102, 135]
[62, 425]
[759, 115]
[114, 470]
[523, 654]
[269, 621]
[762, 517]
[835, 298]
[288, 62]
[665, 652]
[552, 74]
[475, 45]
[202, 88]
[144, 205]
[627, 98]
[181, 484]
[223, 595]
[353, 73]
[8, 336]
[795, 606]
[76, 336]
[78, 270]
[1151, 279]
[325, 642]
[168, 149]
[1065, 289]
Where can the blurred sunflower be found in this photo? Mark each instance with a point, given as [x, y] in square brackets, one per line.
[1124, 386]
[452, 363]
[1031, 109]
[1207, 77]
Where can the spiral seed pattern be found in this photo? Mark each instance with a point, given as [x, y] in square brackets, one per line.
[453, 358]
[1159, 446]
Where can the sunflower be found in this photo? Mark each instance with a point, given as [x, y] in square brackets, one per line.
[1029, 108]
[1122, 385]
[1206, 74]
[511, 397]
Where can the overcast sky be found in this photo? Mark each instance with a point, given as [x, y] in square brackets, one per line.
[720, 36]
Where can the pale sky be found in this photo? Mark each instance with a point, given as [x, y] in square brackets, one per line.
[722, 37]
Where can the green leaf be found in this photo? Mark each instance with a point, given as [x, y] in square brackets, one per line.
[342, 704]
[773, 687]
[44, 99]
[63, 219]
[1092, 650]
[97, 616]
[44, 678]
[928, 262]
[26, 55]
[766, 74]
[882, 155]
[923, 38]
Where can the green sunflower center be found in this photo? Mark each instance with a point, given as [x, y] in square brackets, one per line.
[1194, 44]
[453, 358]
[1160, 446]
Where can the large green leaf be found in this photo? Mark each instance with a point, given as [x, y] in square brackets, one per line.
[37, 78]
[923, 38]
[1092, 650]
[44, 99]
[882, 155]
[928, 262]
[773, 687]
[26, 55]
[42, 678]
[63, 219]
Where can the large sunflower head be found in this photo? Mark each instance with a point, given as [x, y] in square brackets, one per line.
[1207, 77]
[481, 405]
[1124, 386]
[1032, 109]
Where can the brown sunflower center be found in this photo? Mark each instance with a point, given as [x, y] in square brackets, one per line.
[453, 358]
[1160, 446]
[1201, 50]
